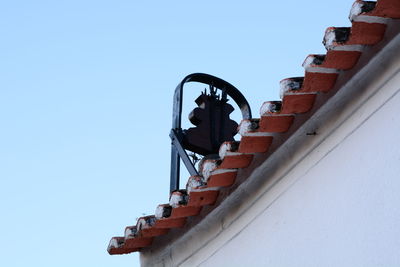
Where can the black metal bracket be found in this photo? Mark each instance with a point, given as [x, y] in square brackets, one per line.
[177, 149]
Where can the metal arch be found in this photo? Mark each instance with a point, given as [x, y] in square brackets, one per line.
[231, 90]
[177, 150]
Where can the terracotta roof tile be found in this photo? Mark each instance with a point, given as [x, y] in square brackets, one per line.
[275, 123]
[297, 103]
[255, 144]
[136, 243]
[237, 161]
[168, 223]
[203, 197]
[185, 211]
[345, 46]
[222, 178]
[318, 82]
[382, 8]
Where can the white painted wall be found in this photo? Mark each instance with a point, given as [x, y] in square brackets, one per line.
[334, 201]
[342, 211]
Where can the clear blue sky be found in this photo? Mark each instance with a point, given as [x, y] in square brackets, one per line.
[85, 106]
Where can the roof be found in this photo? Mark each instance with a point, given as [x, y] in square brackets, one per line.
[301, 98]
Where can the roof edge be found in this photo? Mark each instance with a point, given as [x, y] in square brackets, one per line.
[351, 97]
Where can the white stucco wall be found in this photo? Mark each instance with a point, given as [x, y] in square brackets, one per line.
[335, 201]
[344, 210]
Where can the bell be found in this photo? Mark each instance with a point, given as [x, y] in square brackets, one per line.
[213, 124]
